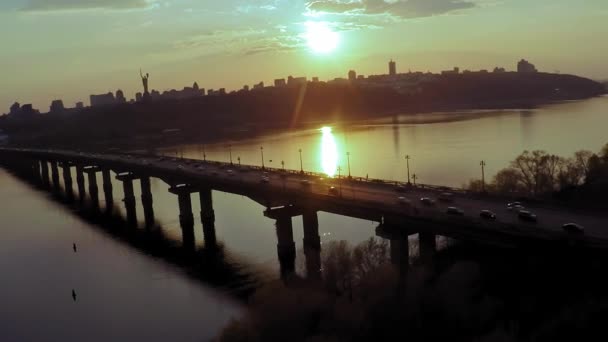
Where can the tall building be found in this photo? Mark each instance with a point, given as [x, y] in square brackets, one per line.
[57, 106]
[525, 67]
[392, 68]
[138, 97]
[352, 75]
[15, 108]
[120, 96]
[279, 82]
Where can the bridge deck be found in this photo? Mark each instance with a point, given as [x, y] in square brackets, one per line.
[375, 201]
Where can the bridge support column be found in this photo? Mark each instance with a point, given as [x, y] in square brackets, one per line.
[312, 244]
[45, 174]
[186, 219]
[286, 247]
[93, 188]
[67, 182]
[80, 183]
[400, 253]
[208, 217]
[129, 200]
[107, 190]
[146, 200]
[36, 171]
[55, 177]
[427, 245]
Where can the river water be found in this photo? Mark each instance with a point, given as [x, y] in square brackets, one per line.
[123, 294]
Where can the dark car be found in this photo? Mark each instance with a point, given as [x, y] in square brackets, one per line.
[527, 216]
[454, 211]
[427, 201]
[574, 228]
[333, 191]
[488, 215]
[400, 188]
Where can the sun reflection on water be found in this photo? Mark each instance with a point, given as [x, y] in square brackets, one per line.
[329, 152]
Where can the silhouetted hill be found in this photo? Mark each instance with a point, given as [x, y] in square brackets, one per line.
[211, 117]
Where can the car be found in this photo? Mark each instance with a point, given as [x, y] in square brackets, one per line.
[573, 228]
[403, 201]
[487, 215]
[305, 182]
[514, 204]
[446, 197]
[427, 201]
[230, 172]
[265, 179]
[527, 216]
[454, 211]
[179, 167]
[200, 167]
[333, 191]
[516, 208]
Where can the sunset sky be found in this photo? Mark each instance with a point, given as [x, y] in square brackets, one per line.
[68, 49]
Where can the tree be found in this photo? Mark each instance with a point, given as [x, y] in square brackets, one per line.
[539, 170]
[507, 181]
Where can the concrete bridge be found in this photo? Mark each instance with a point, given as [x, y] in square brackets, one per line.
[287, 193]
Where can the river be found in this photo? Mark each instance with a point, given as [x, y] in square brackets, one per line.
[124, 294]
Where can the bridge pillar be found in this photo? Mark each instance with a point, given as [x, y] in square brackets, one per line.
[55, 177]
[207, 216]
[146, 200]
[427, 246]
[400, 253]
[286, 247]
[67, 182]
[129, 200]
[186, 219]
[45, 174]
[37, 173]
[312, 244]
[80, 183]
[93, 188]
[107, 190]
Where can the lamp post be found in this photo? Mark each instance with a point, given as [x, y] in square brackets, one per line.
[348, 160]
[262, 152]
[407, 160]
[283, 165]
[239, 159]
[483, 175]
[414, 177]
[204, 154]
[339, 182]
[230, 151]
[301, 166]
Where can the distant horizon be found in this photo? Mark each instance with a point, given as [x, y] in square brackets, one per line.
[90, 45]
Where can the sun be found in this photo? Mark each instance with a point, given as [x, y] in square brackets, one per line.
[320, 37]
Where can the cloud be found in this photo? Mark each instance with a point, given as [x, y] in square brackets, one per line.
[397, 8]
[62, 5]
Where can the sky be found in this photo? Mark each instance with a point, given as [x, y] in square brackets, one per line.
[68, 49]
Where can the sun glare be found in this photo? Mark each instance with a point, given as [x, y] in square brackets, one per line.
[320, 37]
[329, 152]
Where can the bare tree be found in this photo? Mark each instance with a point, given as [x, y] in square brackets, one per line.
[539, 170]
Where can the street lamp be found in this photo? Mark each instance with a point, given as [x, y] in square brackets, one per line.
[414, 177]
[339, 182]
[407, 160]
[204, 154]
[230, 151]
[301, 167]
[348, 159]
[239, 159]
[283, 165]
[483, 176]
[262, 152]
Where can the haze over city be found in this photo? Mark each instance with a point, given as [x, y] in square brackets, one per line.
[70, 49]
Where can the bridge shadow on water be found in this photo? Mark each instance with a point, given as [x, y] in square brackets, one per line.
[211, 264]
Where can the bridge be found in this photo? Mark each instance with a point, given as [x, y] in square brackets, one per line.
[289, 193]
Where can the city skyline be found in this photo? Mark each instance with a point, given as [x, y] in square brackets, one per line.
[232, 43]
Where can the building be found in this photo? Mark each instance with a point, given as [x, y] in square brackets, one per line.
[120, 97]
[315, 79]
[392, 68]
[245, 88]
[524, 66]
[499, 70]
[222, 91]
[57, 106]
[15, 109]
[454, 71]
[139, 97]
[295, 81]
[102, 100]
[352, 75]
[360, 77]
[79, 105]
[258, 86]
[279, 82]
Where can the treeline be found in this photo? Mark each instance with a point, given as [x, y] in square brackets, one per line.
[538, 173]
[468, 293]
[213, 117]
